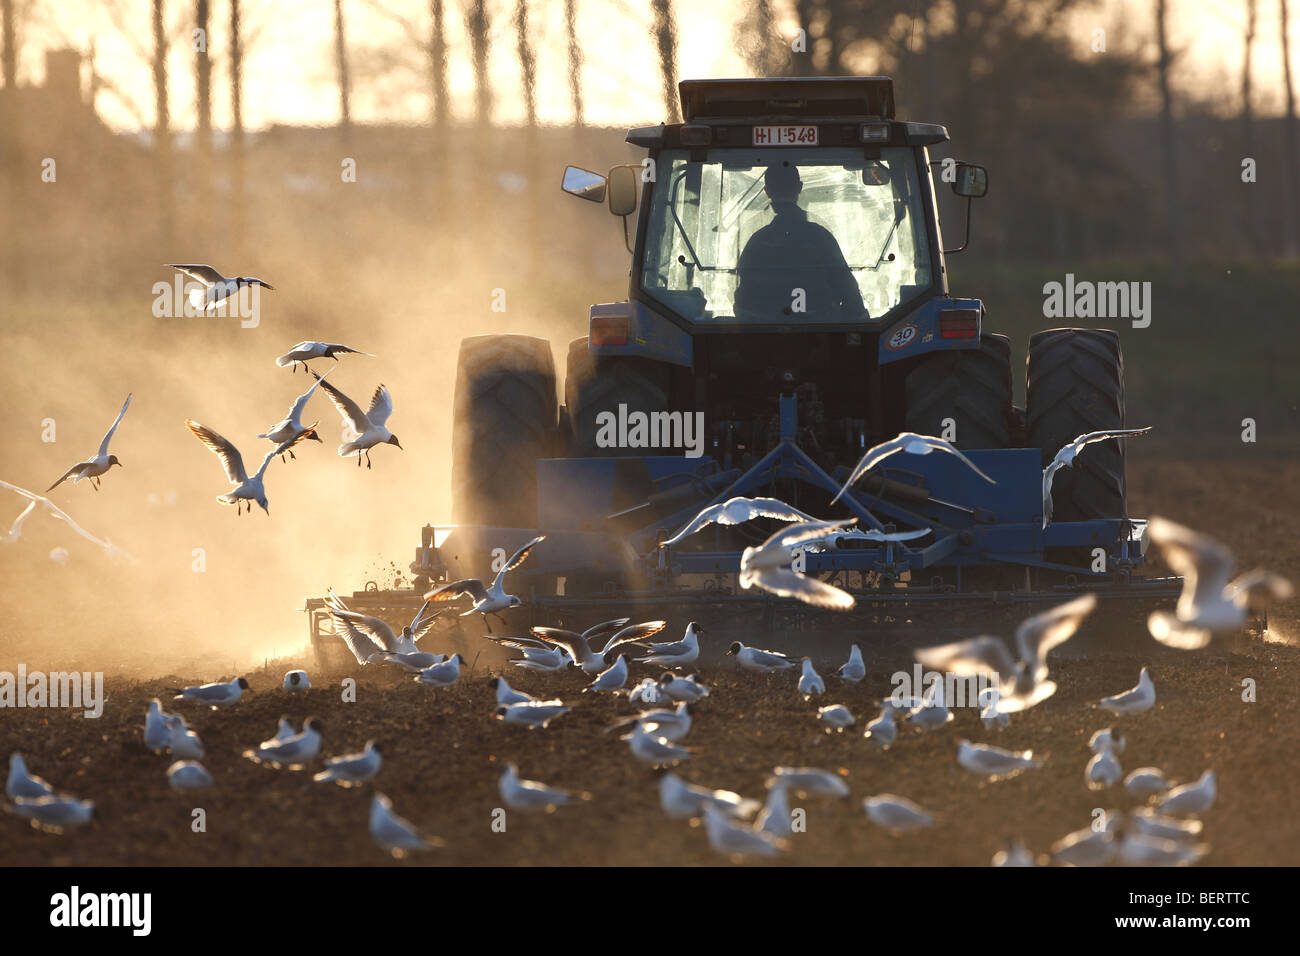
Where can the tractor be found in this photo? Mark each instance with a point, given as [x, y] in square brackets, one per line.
[755, 357]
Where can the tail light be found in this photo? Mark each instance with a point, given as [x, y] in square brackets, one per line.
[959, 323]
[609, 330]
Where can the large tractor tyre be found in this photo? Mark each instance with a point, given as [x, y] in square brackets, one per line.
[594, 386]
[504, 420]
[970, 386]
[1075, 384]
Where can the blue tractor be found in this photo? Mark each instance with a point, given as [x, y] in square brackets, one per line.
[754, 357]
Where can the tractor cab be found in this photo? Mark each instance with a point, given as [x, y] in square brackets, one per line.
[784, 202]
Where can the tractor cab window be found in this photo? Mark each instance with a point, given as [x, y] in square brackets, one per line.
[775, 235]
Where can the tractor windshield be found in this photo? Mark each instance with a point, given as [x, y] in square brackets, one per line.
[780, 235]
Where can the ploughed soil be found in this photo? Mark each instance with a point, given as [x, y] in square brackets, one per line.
[445, 753]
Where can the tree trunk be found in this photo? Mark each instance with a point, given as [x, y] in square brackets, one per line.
[527, 63]
[162, 134]
[1248, 129]
[203, 106]
[575, 60]
[438, 67]
[478, 24]
[666, 40]
[341, 68]
[237, 198]
[8, 45]
[1173, 211]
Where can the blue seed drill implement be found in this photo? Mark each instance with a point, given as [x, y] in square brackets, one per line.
[739, 366]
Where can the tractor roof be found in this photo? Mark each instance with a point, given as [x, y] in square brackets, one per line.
[788, 98]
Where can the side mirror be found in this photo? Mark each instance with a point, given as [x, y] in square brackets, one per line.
[583, 183]
[622, 190]
[972, 181]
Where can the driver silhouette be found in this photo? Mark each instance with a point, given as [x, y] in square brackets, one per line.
[792, 252]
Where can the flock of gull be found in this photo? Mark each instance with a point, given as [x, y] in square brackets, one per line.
[1163, 828]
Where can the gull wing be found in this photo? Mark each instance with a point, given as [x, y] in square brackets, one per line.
[332, 347]
[575, 644]
[449, 592]
[289, 357]
[705, 517]
[796, 534]
[1036, 636]
[634, 634]
[381, 406]
[223, 449]
[606, 627]
[869, 460]
[353, 417]
[372, 627]
[978, 655]
[1093, 437]
[938, 444]
[785, 583]
[203, 273]
[361, 644]
[278, 450]
[103, 445]
[517, 559]
[1204, 563]
[66, 475]
[423, 623]
[301, 401]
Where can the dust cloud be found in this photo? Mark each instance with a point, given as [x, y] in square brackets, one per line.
[403, 263]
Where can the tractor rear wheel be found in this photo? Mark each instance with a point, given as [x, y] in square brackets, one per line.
[504, 420]
[592, 386]
[970, 386]
[1075, 384]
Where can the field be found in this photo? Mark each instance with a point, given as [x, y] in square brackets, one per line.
[445, 753]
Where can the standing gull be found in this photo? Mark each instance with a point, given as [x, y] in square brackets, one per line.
[853, 670]
[362, 431]
[350, 770]
[684, 801]
[896, 814]
[1065, 459]
[756, 659]
[93, 467]
[810, 682]
[487, 600]
[994, 762]
[394, 834]
[245, 488]
[1140, 698]
[23, 784]
[675, 653]
[912, 444]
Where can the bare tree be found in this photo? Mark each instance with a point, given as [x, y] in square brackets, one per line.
[203, 106]
[1248, 125]
[162, 133]
[479, 25]
[527, 62]
[237, 153]
[437, 52]
[341, 66]
[665, 30]
[1291, 215]
[575, 60]
[8, 45]
[1173, 212]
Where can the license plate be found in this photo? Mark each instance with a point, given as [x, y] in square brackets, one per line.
[785, 135]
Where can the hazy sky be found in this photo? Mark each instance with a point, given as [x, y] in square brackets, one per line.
[289, 72]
